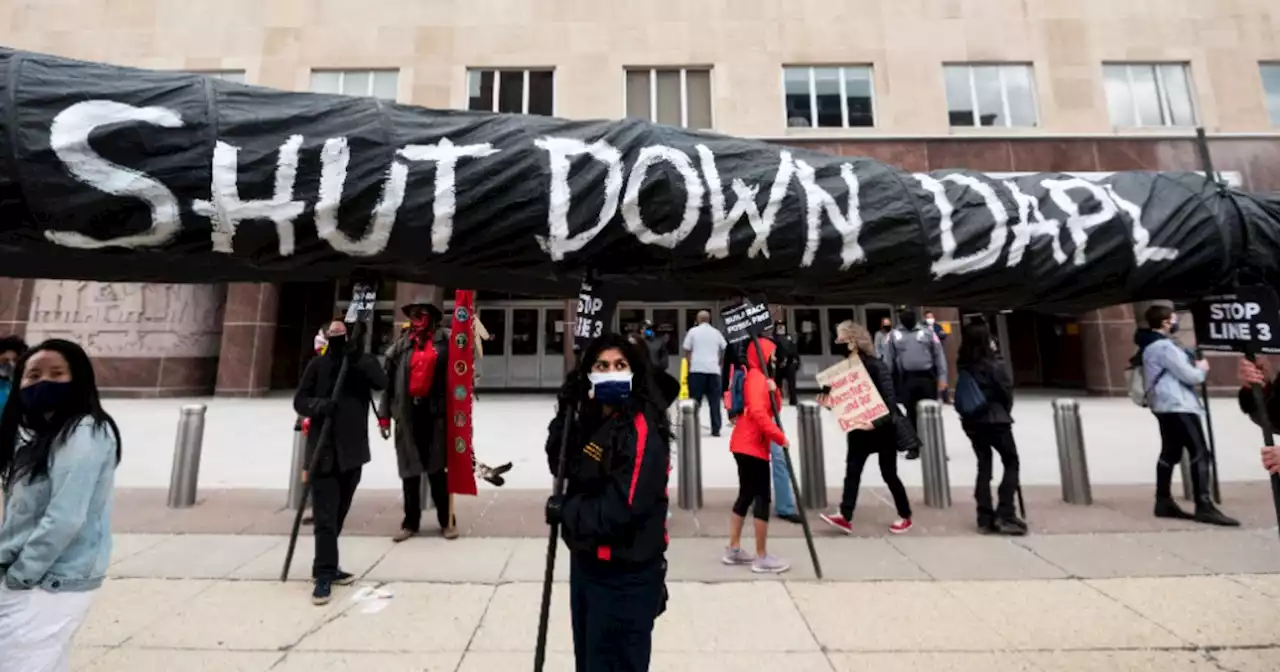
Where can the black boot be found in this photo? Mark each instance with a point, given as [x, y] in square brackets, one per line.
[1206, 512]
[1166, 507]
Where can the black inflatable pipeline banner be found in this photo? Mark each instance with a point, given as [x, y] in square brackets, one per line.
[112, 173]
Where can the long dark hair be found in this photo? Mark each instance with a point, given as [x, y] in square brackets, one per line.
[645, 397]
[82, 401]
[975, 345]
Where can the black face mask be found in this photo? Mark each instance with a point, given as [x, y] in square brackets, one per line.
[909, 322]
[337, 344]
[886, 328]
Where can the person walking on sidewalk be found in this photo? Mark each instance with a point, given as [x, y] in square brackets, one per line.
[788, 362]
[704, 346]
[613, 513]
[917, 365]
[339, 467]
[984, 397]
[1170, 375]
[749, 444]
[417, 367]
[882, 438]
[58, 456]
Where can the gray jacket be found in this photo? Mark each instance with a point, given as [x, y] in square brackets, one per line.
[1171, 378]
[399, 406]
[882, 345]
[915, 351]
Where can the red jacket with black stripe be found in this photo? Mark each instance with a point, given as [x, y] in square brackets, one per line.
[615, 506]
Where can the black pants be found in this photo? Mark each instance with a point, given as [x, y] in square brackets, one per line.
[707, 385]
[754, 486]
[883, 443]
[786, 380]
[918, 385]
[986, 438]
[1178, 432]
[424, 438]
[612, 609]
[331, 496]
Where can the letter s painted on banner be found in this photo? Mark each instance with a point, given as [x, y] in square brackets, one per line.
[69, 139]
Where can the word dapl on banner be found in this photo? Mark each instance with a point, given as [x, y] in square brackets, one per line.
[1017, 212]
[1246, 321]
[854, 398]
[746, 320]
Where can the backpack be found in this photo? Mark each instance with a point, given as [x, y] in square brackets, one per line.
[422, 368]
[970, 402]
[1135, 378]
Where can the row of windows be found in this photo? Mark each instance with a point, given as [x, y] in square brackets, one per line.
[995, 95]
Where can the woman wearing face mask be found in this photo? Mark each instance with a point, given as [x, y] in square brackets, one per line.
[58, 455]
[752, 434]
[614, 508]
[987, 419]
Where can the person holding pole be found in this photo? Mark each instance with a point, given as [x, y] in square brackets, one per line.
[417, 367]
[750, 445]
[613, 512]
[339, 467]
[1249, 374]
[1170, 375]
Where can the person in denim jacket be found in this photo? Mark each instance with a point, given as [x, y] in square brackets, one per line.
[1171, 374]
[58, 455]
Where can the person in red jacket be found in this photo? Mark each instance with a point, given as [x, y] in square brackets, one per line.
[749, 443]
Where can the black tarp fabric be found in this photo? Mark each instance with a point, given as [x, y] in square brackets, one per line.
[113, 173]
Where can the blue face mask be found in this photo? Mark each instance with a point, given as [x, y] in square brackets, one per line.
[648, 333]
[44, 397]
[612, 388]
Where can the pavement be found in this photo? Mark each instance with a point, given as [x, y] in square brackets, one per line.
[248, 443]
[1195, 601]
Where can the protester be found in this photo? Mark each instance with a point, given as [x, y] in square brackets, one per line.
[340, 464]
[11, 348]
[58, 455]
[657, 346]
[883, 438]
[1170, 376]
[984, 396]
[1251, 374]
[788, 362]
[613, 512]
[417, 366]
[882, 339]
[931, 321]
[917, 364]
[750, 447]
[704, 347]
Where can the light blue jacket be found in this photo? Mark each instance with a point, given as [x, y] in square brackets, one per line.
[1171, 378]
[56, 533]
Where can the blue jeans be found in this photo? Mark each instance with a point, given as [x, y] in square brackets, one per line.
[784, 500]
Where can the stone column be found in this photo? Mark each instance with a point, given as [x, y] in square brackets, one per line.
[248, 339]
[145, 339]
[1107, 341]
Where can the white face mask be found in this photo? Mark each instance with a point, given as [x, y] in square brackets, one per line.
[613, 387]
[929, 321]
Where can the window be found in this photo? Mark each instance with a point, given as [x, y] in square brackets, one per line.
[990, 95]
[1271, 85]
[673, 96]
[372, 83]
[511, 91]
[236, 76]
[1149, 94]
[828, 97]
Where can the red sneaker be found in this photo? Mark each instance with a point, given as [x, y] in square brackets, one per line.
[900, 526]
[838, 521]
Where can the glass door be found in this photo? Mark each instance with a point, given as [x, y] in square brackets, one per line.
[553, 335]
[493, 365]
[524, 364]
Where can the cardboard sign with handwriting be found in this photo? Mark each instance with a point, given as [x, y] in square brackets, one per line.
[854, 398]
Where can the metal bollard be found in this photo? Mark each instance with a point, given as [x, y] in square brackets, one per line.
[296, 466]
[689, 495]
[1188, 492]
[813, 473]
[1072, 465]
[186, 457]
[933, 455]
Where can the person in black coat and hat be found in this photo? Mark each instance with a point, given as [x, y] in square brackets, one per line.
[337, 473]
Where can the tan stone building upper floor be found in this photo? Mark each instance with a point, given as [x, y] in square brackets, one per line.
[783, 69]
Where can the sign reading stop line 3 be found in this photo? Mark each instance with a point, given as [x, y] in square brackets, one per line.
[1247, 320]
[595, 313]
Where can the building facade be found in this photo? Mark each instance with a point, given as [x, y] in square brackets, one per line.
[991, 85]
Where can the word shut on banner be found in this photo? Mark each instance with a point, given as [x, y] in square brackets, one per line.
[746, 320]
[1246, 321]
[854, 398]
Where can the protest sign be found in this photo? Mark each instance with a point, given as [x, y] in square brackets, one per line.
[745, 320]
[595, 314]
[1247, 320]
[853, 396]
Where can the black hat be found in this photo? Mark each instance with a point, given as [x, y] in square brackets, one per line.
[432, 311]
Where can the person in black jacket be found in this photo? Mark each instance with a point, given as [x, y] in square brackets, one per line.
[883, 438]
[788, 361]
[337, 474]
[991, 428]
[613, 511]
[1257, 374]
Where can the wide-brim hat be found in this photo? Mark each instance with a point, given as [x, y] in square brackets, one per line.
[436, 315]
